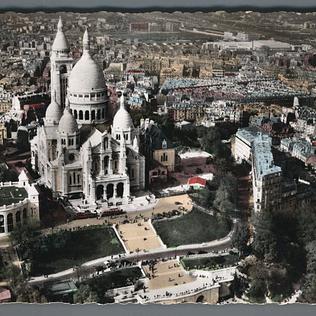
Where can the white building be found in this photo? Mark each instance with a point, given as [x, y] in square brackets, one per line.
[19, 204]
[221, 110]
[242, 147]
[299, 148]
[266, 177]
[76, 150]
[248, 45]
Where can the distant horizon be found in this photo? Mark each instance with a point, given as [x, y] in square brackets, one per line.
[135, 9]
[151, 5]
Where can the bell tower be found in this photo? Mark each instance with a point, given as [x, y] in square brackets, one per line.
[61, 65]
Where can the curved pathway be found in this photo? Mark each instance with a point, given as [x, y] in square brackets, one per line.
[160, 253]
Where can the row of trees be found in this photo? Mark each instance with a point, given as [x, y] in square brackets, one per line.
[21, 290]
[284, 246]
[221, 194]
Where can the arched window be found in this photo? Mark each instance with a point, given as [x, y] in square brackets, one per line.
[70, 180]
[99, 192]
[78, 178]
[74, 178]
[1, 224]
[98, 114]
[80, 115]
[164, 157]
[109, 190]
[18, 217]
[103, 113]
[93, 115]
[62, 69]
[106, 164]
[75, 114]
[86, 115]
[10, 222]
[120, 190]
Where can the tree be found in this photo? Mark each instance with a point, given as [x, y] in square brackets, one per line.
[258, 285]
[168, 127]
[257, 290]
[309, 289]
[225, 197]
[205, 197]
[279, 283]
[311, 257]
[211, 141]
[13, 275]
[28, 294]
[264, 243]
[21, 290]
[22, 141]
[21, 234]
[85, 295]
[241, 238]
[7, 175]
[306, 225]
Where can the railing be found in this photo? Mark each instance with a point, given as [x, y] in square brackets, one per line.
[13, 206]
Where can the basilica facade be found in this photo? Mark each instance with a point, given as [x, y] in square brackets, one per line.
[78, 151]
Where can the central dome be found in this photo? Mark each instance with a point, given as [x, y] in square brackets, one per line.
[86, 76]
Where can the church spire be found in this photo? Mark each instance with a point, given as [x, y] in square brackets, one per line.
[60, 43]
[86, 41]
[67, 103]
[122, 101]
[135, 144]
[60, 25]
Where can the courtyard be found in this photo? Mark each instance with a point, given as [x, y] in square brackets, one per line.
[166, 274]
[167, 204]
[65, 249]
[139, 236]
[191, 228]
[163, 205]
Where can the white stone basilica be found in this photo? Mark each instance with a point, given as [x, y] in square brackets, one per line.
[76, 151]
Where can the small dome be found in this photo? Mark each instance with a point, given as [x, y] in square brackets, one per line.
[122, 119]
[53, 112]
[67, 123]
[60, 41]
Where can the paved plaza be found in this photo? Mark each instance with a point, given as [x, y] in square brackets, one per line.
[167, 274]
[170, 203]
[139, 236]
[161, 205]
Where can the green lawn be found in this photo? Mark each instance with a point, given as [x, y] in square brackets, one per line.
[9, 195]
[192, 228]
[210, 262]
[65, 249]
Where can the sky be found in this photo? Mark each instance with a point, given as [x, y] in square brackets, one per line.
[149, 3]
